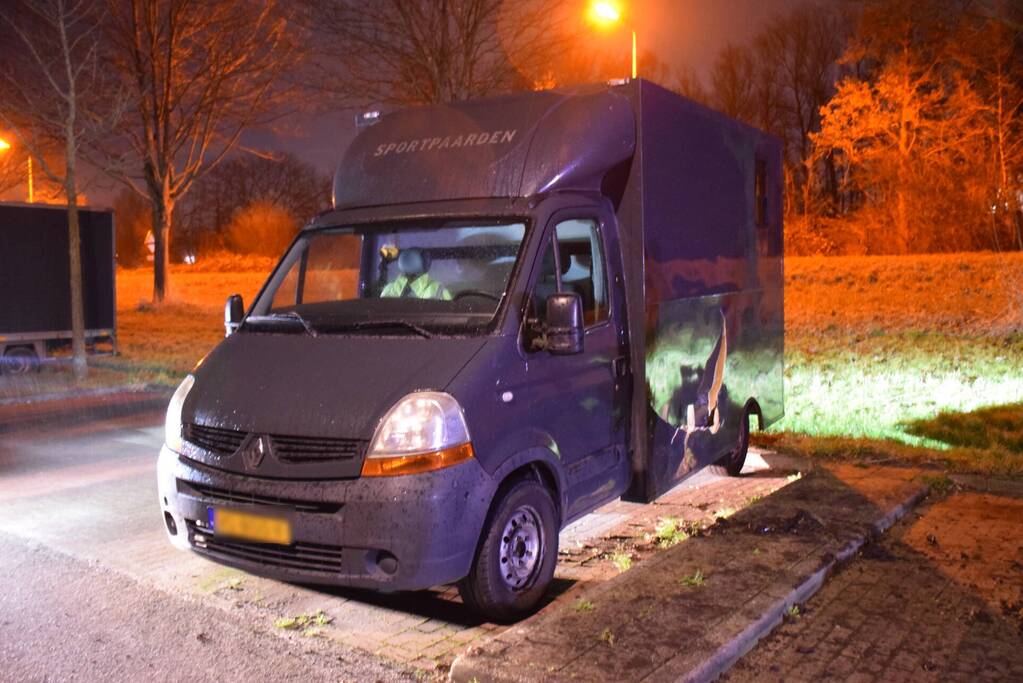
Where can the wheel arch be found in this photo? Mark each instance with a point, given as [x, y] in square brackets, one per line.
[752, 407]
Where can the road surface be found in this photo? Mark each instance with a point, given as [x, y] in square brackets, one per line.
[91, 590]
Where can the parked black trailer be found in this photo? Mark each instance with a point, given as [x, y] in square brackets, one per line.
[35, 283]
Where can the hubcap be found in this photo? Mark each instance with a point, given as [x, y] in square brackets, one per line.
[18, 363]
[521, 548]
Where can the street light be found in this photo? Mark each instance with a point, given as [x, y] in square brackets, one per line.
[605, 13]
[4, 146]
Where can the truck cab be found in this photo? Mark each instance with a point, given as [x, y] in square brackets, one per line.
[451, 365]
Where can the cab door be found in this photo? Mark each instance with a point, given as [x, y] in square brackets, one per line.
[580, 399]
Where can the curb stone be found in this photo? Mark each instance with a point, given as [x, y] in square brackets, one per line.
[728, 654]
[836, 514]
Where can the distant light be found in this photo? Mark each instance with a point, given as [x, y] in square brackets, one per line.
[605, 12]
[190, 259]
[367, 118]
[615, 82]
[4, 145]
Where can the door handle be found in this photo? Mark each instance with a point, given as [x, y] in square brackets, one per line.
[618, 367]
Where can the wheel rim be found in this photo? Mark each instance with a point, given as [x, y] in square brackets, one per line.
[522, 545]
[18, 363]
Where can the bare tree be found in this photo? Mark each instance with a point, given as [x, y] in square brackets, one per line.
[57, 99]
[989, 48]
[687, 82]
[286, 182]
[802, 49]
[402, 52]
[201, 74]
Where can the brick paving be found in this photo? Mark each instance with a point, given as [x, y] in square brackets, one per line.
[938, 599]
[428, 629]
[688, 612]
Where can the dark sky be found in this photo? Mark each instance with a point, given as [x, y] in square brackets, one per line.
[686, 33]
[679, 32]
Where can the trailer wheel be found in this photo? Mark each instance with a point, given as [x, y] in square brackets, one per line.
[515, 559]
[19, 360]
[735, 459]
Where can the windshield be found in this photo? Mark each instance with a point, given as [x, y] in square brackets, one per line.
[415, 277]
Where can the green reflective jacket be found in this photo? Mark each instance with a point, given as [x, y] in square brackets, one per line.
[423, 287]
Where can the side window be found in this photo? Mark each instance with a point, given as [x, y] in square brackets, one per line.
[546, 284]
[583, 267]
[286, 295]
[332, 269]
[760, 193]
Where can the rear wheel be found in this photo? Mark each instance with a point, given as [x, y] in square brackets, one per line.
[515, 560]
[19, 360]
[735, 459]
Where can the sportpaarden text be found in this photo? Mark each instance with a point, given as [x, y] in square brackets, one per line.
[428, 144]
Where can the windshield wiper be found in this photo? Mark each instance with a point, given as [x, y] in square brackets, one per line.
[376, 324]
[286, 315]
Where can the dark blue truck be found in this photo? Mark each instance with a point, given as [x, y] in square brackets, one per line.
[518, 309]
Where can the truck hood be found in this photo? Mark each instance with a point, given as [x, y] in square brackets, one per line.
[327, 386]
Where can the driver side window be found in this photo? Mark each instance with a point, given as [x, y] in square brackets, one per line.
[546, 284]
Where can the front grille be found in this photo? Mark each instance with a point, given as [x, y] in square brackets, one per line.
[305, 556]
[214, 439]
[213, 494]
[311, 449]
[291, 449]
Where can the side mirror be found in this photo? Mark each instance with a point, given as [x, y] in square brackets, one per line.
[234, 311]
[564, 323]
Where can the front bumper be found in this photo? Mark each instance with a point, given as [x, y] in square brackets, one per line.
[383, 533]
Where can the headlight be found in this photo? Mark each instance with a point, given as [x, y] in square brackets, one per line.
[423, 431]
[172, 423]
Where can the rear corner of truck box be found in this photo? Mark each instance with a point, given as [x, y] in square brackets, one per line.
[703, 209]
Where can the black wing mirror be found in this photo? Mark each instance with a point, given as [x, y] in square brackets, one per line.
[564, 323]
[234, 311]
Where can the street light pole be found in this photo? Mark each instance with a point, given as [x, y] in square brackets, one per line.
[5, 146]
[635, 71]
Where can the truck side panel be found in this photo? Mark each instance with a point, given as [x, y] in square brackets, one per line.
[713, 334]
[35, 273]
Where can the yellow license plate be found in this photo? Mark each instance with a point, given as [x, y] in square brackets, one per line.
[249, 527]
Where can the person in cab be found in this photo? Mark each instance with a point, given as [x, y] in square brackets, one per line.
[414, 281]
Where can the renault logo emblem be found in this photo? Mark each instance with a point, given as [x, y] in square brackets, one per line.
[255, 450]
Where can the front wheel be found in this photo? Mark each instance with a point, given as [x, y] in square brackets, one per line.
[515, 560]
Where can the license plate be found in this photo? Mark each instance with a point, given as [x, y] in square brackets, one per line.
[249, 527]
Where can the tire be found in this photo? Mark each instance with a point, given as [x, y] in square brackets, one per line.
[733, 462]
[19, 360]
[504, 584]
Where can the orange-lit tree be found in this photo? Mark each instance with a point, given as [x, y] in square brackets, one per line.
[911, 133]
[201, 73]
[285, 182]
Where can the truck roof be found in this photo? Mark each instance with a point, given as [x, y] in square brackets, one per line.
[60, 207]
[510, 146]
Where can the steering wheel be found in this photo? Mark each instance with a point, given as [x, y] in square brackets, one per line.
[475, 292]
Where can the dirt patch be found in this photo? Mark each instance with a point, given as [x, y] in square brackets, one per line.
[989, 564]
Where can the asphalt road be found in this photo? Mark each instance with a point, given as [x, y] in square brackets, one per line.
[91, 590]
